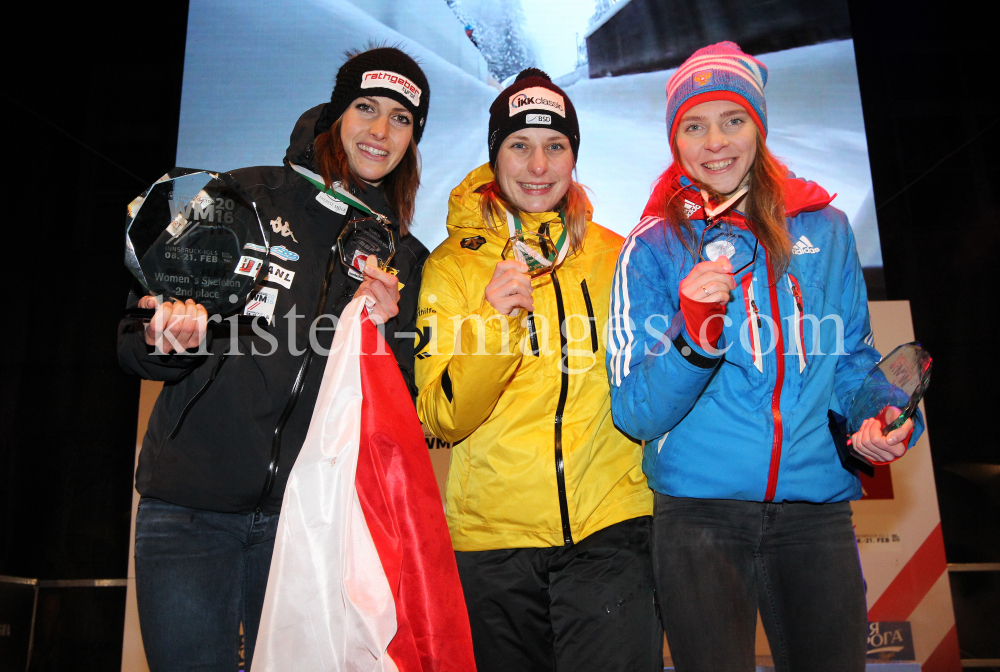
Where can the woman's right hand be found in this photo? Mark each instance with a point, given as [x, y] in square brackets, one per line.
[709, 282]
[176, 326]
[510, 288]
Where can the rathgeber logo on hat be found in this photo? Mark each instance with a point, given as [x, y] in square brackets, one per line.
[537, 98]
[384, 79]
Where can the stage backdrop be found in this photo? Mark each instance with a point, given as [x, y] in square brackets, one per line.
[251, 69]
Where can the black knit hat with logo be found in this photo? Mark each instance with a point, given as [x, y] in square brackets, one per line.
[383, 71]
[532, 101]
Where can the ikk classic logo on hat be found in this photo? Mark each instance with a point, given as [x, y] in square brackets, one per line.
[384, 79]
[537, 98]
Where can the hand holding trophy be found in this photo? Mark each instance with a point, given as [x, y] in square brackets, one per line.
[196, 235]
[195, 242]
[888, 396]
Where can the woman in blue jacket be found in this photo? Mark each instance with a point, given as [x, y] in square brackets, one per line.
[739, 319]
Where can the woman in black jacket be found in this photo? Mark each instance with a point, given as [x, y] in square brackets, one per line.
[236, 403]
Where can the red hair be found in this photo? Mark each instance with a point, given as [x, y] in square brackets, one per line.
[764, 207]
[399, 187]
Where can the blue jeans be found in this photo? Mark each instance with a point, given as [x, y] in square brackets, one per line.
[717, 561]
[198, 574]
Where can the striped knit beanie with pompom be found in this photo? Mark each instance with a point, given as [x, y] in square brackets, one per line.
[718, 72]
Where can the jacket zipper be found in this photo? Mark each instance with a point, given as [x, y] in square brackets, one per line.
[560, 409]
[798, 337]
[533, 334]
[754, 323]
[779, 349]
[590, 315]
[196, 397]
[293, 397]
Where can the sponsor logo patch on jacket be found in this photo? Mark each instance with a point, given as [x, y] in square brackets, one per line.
[279, 275]
[284, 228]
[261, 302]
[282, 252]
[249, 266]
[473, 243]
[803, 246]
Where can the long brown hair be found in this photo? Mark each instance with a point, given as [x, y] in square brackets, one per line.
[399, 187]
[493, 205]
[764, 208]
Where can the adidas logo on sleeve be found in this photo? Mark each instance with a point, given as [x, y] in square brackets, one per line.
[803, 246]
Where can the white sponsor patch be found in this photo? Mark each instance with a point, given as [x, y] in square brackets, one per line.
[384, 79]
[255, 248]
[249, 266]
[539, 119]
[537, 98]
[261, 303]
[690, 208]
[279, 275]
[332, 203]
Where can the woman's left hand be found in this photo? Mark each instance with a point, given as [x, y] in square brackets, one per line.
[868, 440]
[381, 286]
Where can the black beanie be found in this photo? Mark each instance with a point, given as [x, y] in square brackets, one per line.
[532, 101]
[384, 71]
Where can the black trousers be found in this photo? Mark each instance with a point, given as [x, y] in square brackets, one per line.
[717, 561]
[589, 606]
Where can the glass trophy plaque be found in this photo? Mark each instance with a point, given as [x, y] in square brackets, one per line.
[364, 237]
[533, 249]
[900, 380]
[196, 235]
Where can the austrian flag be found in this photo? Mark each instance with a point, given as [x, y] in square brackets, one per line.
[363, 575]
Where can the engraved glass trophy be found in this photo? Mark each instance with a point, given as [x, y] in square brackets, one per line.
[900, 380]
[195, 234]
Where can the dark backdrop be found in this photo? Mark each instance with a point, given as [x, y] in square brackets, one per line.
[91, 106]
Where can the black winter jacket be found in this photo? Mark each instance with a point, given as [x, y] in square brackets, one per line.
[211, 437]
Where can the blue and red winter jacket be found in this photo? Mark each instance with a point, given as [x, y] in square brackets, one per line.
[749, 421]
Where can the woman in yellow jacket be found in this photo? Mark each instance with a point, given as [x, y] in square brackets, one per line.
[547, 505]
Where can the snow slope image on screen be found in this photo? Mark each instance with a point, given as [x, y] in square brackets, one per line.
[252, 68]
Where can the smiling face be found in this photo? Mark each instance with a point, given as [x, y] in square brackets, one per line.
[717, 144]
[535, 168]
[376, 132]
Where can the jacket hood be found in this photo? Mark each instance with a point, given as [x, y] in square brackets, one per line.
[800, 195]
[300, 147]
[463, 206]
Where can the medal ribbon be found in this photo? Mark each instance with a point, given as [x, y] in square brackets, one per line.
[338, 192]
[712, 212]
[514, 228]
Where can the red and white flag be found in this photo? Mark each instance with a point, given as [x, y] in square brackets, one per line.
[363, 575]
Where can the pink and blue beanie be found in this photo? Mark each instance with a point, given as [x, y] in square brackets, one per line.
[718, 72]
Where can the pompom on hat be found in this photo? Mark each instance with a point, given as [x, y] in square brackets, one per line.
[718, 72]
[381, 71]
[532, 101]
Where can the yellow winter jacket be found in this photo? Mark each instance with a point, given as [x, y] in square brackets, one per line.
[537, 461]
